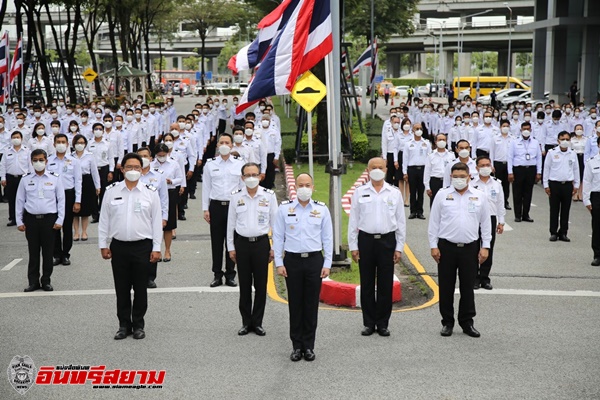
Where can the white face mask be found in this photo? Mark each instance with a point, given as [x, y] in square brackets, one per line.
[145, 111]
[441, 144]
[80, 147]
[464, 153]
[181, 125]
[265, 123]
[396, 126]
[224, 150]
[84, 119]
[108, 124]
[188, 127]
[459, 183]
[152, 109]
[418, 133]
[540, 121]
[40, 132]
[451, 113]
[304, 193]
[98, 133]
[54, 115]
[145, 162]
[69, 112]
[526, 134]
[129, 118]
[39, 165]
[565, 144]
[593, 115]
[37, 114]
[487, 120]
[505, 129]
[476, 120]
[527, 118]
[133, 176]
[138, 116]
[579, 132]
[238, 138]
[161, 159]
[73, 128]
[406, 128]
[251, 182]
[467, 120]
[262, 108]
[15, 142]
[118, 124]
[516, 117]
[98, 115]
[20, 122]
[205, 111]
[248, 132]
[376, 175]
[169, 144]
[485, 171]
[61, 148]
[55, 130]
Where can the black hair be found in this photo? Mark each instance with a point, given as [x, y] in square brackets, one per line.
[161, 147]
[145, 148]
[482, 158]
[77, 137]
[525, 125]
[250, 164]
[562, 133]
[17, 133]
[461, 141]
[129, 156]
[238, 128]
[60, 136]
[225, 134]
[459, 166]
[38, 152]
[97, 124]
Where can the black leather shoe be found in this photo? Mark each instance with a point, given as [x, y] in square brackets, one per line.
[553, 238]
[139, 333]
[564, 238]
[420, 216]
[309, 355]
[185, 206]
[32, 288]
[507, 207]
[260, 331]
[11, 223]
[122, 333]
[244, 331]
[230, 282]
[518, 219]
[412, 216]
[94, 220]
[216, 282]
[528, 219]
[193, 196]
[296, 355]
[367, 331]
[476, 286]
[55, 261]
[596, 262]
[66, 261]
[47, 287]
[182, 218]
[151, 284]
[383, 331]
[487, 286]
[446, 330]
[471, 331]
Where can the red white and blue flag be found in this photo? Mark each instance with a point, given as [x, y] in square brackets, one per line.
[366, 59]
[304, 40]
[17, 62]
[4, 53]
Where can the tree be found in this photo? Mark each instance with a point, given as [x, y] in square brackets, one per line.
[83, 58]
[160, 63]
[192, 62]
[95, 15]
[52, 55]
[391, 17]
[231, 47]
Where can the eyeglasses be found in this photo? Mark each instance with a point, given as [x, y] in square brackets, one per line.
[132, 167]
[251, 175]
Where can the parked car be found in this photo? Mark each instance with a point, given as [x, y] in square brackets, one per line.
[501, 94]
[401, 91]
[521, 97]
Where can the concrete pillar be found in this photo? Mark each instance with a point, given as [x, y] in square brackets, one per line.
[589, 83]
[447, 66]
[423, 62]
[215, 65]
[503, 63]
[539, 64]
[465, 64]
[392, 64]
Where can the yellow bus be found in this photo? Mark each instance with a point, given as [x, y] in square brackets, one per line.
[468, 85]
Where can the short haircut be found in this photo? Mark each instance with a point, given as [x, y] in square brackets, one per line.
[39, 152]
[561, 133]
[459, 166]
[77, 137]
[129, 156]
[305, 173]
[445, 137]
[463, 141]
[525, 125]
[225, 134]
[238, 128]
[61, 136]
[482, 158]
[145, 148]
[17, 133]
[160, 148]
[250, 164]
[97, 124]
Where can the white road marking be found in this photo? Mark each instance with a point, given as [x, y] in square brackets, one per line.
[507, 227]
[12, 264]
[527, 292]
[199, 289]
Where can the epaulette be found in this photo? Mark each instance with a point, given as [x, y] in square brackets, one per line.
[54, 173]
[269, 191]
[319, 203]
[236, 191]
[27, 174]
[151, 187]
[160, 171]
[112, 185]
[496, 179]
[286, 202]
[212, 159]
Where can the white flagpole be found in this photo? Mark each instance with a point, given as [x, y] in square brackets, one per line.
[7, 83]
[22, 73]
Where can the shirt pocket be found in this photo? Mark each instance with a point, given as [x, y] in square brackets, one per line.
[117, 202]
[290, 220]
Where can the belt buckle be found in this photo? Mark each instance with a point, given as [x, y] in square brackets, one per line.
[252, 239]
[303, 255]
[460, 245]
[377, 236]
[224, 203]
[39, 216]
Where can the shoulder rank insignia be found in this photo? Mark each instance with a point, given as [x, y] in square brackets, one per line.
[286, 202]
[319, 203]
[151, 187]
[236, 191]
[269, 191]
[112, 185]
[54, 173]
[160, 171]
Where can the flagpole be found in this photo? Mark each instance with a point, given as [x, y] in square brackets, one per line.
[22, 73]
[7, 82]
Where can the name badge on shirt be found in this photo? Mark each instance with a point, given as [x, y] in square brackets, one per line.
[527, 157]
[493, 194]
[137, 207]
[40, 193]
[472, 207]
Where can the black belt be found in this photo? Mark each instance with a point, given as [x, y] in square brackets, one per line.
[416, 166]
[436, 178]
[561, 182]
[15, 176]
[220, 202]
[378, 236]
[458, 244]
[302, 255]
[131, 241]
[524, 166]
[70, 190]
[173, 190]
[501, 162]
[41, 216]
[251, 239]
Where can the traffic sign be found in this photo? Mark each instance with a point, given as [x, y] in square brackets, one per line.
[309, 91]
[378, 78]
[89, 75]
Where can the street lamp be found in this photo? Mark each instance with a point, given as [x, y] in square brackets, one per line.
[509, 45]
[461, 28]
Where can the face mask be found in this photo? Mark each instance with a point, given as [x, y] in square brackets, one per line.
[122, 107]
[516, 117]
[152, 109]
[145, 163]
[54, 104]
[175, 133]
[217, 104]
[459, 183]
[98, 115]
[181, 125]
[73, 128]
[577, 113]
[205, 111]
[162, 159]
[304, 193]
[467, 120]
[265, 123]
[40, 132]
[527, 118]
[485, 171]
[548, 111]
[188, 127]
[37, 114]
[496, 114]
[418, 133]
[129, 118]
[69, 112]
[262, 108]
[15, 142]
[451, 113]
[568, 111]
[224, 150]
[376, 175]
[487, 120]
[169, 144]
[61, 148]
[55, 130]
[406, 128]
[238, 138]
[54, 115]
[84, 119]
[80, 147]
[235, 102]
[98, 133]
[20, 121]
[468, 104]
[458, 122]
[540, 121]
[565, 144]
[169, 103]
[118, 124]
[103, 103]
[579, 132]
[505, 129]
[593, 115]
[107, 124]
[145, 111]
[441, 144]
[251, 182]
[1, 125]
[39, 165]
[476, 120]
[526, 134]
[138, 116]
[248, 132]
[464, 153]
[132, 176]
[396, 126]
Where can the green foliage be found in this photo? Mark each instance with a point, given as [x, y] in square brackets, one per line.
[82, 57]
[391, 17]
[231, 47]
[408, 82]
[192, 62]
[52, 55]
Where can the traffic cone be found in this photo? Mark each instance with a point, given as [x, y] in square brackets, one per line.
[392, 100]
[359, 101]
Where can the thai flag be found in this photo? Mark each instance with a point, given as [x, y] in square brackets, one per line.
[4, 53]
[365, 59]
[17, 62]
[303, 41]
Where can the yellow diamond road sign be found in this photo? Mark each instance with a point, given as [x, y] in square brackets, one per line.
[309, 91]
[89, 75]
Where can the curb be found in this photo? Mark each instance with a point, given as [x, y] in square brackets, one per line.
[347, 199]
[290, 182]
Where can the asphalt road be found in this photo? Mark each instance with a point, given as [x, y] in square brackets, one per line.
[539, 327]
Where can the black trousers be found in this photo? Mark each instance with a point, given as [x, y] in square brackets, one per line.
[376, 263]
[103, 172]
[117, 175]
[523, 190]
[390, 175]
[595, 200]
[10, 191]
[417, 188]
[435, 184]
[40, 236]
[183, 199]
[218, 238]
[464, 260]
[304, 289]
[222, 126]
[483, 271]
[130, 261]
[64, 242]
[481, 152]
[152, 271]
[560, 205]
[238, 122]
[269, 180]
[501, 172]
[252, 265]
